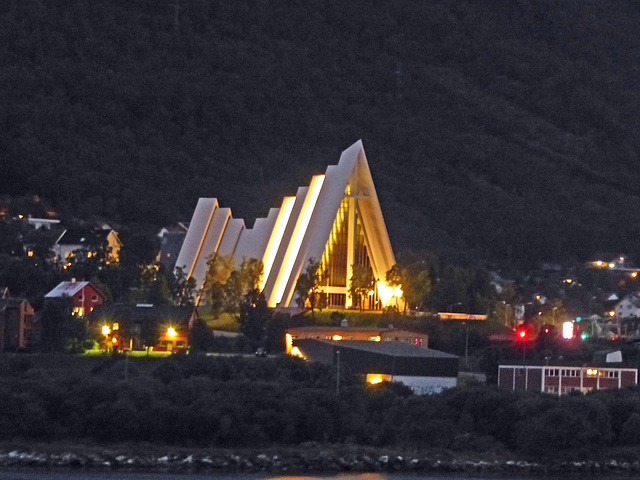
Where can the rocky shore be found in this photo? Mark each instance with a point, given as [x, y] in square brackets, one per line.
[317, 460]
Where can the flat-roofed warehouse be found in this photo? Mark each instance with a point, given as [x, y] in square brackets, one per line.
[424, 370]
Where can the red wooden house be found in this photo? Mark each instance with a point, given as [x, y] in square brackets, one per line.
[84, 296]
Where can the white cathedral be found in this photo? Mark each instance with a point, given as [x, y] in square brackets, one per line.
[336, 220]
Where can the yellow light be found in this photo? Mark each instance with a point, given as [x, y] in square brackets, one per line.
[116, 326]
[599, 263]
[375, 378]
[611, 265]
[30, 253]
[114, 340]
[371, 292]
[276, 237]
[589, 372]
[289, 343]
[337, 337]
[106, 330]
[612, 313]
[569, 280]
[295, 351]
[377, 339]
[387, 293]
[171, 332]
[537, 297]
[622, 259]
[296, 239]
[634, 274]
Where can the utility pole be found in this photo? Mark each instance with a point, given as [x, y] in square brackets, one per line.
[338, 373]
[466, 346]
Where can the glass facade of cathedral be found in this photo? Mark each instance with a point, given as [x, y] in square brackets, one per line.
[334, 268]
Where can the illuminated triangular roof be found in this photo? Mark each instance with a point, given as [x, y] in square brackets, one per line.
[294, 233]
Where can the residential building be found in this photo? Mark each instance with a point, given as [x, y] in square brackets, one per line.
[628, 307]
[16, 324]
[103, 243]
[133, 327]
[422, 369]
[336, 220]
[84, 296]
[171, 240]
[561, 380]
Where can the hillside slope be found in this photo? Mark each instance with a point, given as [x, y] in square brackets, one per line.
[504, 129]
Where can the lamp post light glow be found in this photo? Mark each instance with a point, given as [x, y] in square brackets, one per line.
[171, 332]
[106, 330]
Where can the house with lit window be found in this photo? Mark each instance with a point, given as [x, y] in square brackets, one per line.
[628, 307]
[335, 220]
[101, 243]
[84, 296]
[171, 240]
[17, 324]
[164, 328]
[423, 370]
[561, 380]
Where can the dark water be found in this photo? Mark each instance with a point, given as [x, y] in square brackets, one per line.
[8, 474]
[80, 475]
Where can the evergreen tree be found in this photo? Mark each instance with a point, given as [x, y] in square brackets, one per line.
[254, 316]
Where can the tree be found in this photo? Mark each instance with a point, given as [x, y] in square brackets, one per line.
[219, 269]
[201, 337]
[182, 288]
[150, 331]
[452, 288]
[360, 284]
[61, 331]
[414, 281]
[253, 317]
[308, 287]
[153, 287]
[241, 282]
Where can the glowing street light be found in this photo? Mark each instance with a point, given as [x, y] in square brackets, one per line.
[106, 330]
[171, 332]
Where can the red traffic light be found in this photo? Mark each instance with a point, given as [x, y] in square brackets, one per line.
[521, 333]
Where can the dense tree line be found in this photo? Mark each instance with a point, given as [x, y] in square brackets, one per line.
[504, 129]
[259, 402]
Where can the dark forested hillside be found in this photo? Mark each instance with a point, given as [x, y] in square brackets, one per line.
[506, 129]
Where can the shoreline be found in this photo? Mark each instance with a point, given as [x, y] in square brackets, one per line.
[302, 460]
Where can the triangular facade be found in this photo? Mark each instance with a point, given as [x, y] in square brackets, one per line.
[335, 220]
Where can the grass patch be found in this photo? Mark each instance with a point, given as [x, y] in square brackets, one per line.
[97, 353]
[225, 321]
